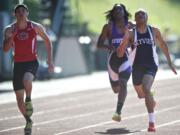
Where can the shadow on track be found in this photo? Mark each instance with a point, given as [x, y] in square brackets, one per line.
[116, 131]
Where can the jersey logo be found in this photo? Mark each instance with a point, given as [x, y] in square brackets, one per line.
[144, 41]
[23, 36]
[116, 40]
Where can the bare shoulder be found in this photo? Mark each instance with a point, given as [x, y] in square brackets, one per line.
[106, 27]
[8, 30]
[37, 25]
[106, 30]
[156, 30]
[39, 28]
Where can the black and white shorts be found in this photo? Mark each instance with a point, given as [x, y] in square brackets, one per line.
[118, 68]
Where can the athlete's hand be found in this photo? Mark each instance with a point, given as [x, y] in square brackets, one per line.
[172, 68]
[50, 67]
[110, 47]
[126, 33]
[131, 25]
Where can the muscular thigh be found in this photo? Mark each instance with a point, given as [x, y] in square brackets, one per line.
[147, 81]
[137, 75]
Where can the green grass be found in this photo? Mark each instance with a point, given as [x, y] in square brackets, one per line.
[162, 13]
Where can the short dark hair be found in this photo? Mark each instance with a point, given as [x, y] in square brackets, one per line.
[109, 13]
[20, 5]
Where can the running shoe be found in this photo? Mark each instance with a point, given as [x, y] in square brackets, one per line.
[28, 128]
[29, 108]
[116, 117]
[151, 127]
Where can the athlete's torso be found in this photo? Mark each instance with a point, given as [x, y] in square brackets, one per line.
[116, 38]
[146, 50]
[24, 43]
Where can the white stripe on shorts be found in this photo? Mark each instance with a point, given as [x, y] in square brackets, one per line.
[113, 75]
[124, 66]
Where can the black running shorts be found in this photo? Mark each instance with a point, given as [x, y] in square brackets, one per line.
[139, 72]
[20, 68]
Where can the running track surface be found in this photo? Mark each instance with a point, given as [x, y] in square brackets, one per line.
[89, 113]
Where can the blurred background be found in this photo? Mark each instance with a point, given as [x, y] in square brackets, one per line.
[74, 26]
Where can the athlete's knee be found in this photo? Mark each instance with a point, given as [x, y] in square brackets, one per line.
[28, 76]
[147, 82]
[141, 96]
[139, 91]
[116, 89]
[147, 93]
[27, 83]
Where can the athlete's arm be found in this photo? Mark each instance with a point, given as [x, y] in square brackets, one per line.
[131, 24]
[163, 46]
[40, 30]
[123, 45]
[104, 36]
[8, 39]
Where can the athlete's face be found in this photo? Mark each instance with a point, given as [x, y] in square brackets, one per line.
[21, 13]
[118, 12]
[141, 17]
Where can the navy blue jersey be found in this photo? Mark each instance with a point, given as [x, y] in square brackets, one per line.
[146, 54]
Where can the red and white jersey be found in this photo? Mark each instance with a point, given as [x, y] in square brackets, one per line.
[24, 43]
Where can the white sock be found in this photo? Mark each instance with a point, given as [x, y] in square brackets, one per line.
[152, 117]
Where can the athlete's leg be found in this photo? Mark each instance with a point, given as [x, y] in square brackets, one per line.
[121, 95]
[115, 85]
[113, 66]
[121, 99]
[137, 76]
[30, 71]
[115, 88]
[123, 79]
[149, 100]
[27, 81]
[18, 86]
[114, 80]
[18, 73]
[20, 101]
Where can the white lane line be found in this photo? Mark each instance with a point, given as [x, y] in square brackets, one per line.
[61, 119]
[165, 124]
[79, 106]
[88, 114]
[109, 122]
[53, 110]
[168, 123]
[54, 101]
[86, 127]
[167, 88]
[159, 126]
